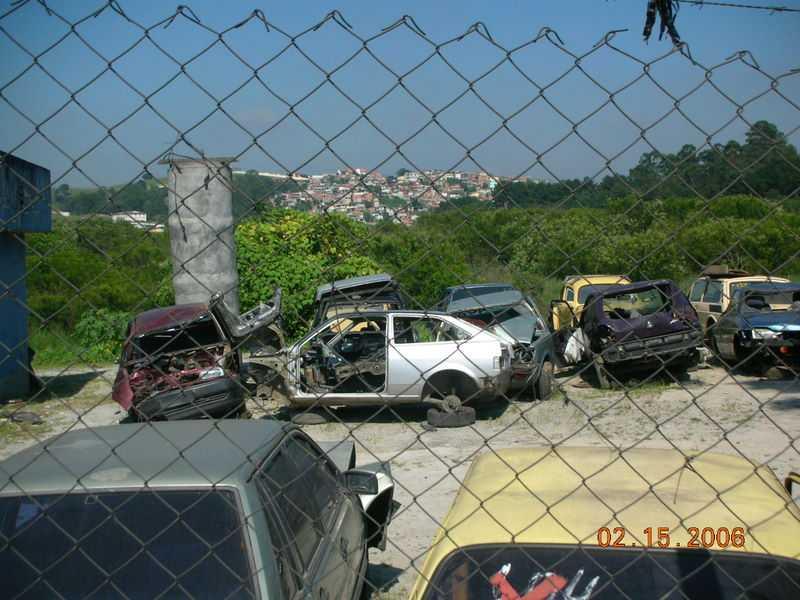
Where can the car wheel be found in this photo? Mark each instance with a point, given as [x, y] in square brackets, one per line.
[461, 417]
[544, 385]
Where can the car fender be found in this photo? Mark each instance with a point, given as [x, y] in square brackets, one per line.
[379, 507]
[458, 369]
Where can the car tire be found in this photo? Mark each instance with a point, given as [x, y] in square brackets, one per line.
[310, 417]
[544, 384]
[461, 417]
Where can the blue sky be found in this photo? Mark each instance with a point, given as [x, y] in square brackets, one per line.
[566, 133]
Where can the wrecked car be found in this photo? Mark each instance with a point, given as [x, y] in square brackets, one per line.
[647, 325]
[386, 358]
[761, 327]
[712, 293]
[235, 509]
[181, 362]
[177, 364]
[565, 311]
[356, 294]
[509, 314]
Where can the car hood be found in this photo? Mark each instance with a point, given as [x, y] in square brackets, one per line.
[779, 320]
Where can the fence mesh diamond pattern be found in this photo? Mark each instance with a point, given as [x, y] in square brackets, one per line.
[383, 358]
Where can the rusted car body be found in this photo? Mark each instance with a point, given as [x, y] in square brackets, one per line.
[647, 325]
[184, 361]
[176, 363]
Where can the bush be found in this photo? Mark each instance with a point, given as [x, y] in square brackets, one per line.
[100, 334]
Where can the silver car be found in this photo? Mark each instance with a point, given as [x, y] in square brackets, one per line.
[395, 357]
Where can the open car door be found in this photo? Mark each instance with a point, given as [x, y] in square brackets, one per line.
[258, 329]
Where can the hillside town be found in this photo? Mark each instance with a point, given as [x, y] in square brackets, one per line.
[370, 196]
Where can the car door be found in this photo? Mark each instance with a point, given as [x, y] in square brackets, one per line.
[420, 345]
[712, 301]
[696, 298]
[321, 517]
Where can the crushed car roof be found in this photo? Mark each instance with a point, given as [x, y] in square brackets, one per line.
[158, 319]
[172, 454]
[543, 495]
[355, 282]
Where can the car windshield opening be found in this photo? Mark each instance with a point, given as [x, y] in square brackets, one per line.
[132, 544]
[758, 301]
[518, 320]
[635, 304]
[539, 571]
[595, 288]
[197, 334]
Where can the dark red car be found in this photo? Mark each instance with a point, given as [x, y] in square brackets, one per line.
[178, 363]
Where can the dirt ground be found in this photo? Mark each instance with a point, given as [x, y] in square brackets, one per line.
[712, 410]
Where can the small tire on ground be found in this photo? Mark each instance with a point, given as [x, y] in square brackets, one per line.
[461, 417]
[544, 385]
[310, 417]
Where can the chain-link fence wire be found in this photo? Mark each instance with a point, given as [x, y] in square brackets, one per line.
[290, 513]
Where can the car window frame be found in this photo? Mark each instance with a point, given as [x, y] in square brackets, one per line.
[704, 282]
[721, 291]
[331, 516]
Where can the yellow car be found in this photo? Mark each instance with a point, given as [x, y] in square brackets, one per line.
[566, 311]
[571, 523]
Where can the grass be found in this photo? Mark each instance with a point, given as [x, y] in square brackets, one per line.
[54, 348]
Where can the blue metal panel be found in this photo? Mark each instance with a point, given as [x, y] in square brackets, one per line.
[14, 375]
[25, 195]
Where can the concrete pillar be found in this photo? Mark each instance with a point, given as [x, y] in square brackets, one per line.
[201, 229]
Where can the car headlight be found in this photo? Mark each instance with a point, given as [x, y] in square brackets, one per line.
[765, 334]
[212, 373]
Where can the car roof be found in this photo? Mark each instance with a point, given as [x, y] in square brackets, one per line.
[158, 319]
[355, 282]
[596, 278]
[505, 298]
[190, 454]
[475, 286]
[562, 495]
[635, 286]
[756, 278]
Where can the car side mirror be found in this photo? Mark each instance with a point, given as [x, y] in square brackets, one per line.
[361, 482]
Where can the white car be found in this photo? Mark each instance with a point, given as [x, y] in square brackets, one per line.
[391, 357]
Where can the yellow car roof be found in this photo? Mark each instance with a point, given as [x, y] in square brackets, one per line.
[595, 279]
[758, 278]
[564, 495]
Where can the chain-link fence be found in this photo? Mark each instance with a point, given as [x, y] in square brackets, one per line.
[407, 269]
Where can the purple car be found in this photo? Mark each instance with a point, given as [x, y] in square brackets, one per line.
[644, 326]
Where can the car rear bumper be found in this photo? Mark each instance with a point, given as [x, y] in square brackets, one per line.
[212, 399]
[657, 349]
